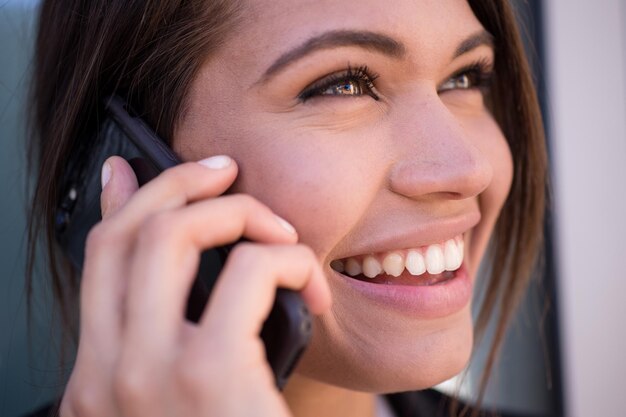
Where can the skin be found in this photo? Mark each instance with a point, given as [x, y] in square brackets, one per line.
[368, 168]
[346, 171]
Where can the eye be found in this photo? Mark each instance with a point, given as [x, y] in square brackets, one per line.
[351, 82]
[346, 88]
[477, 75]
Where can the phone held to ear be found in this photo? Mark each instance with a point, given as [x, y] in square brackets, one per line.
[286, 331]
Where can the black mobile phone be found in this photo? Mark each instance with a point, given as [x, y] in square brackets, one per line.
[286, 331]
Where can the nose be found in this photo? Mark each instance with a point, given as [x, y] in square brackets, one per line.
[437, 157]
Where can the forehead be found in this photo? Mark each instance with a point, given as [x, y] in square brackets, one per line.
[274, 23]
[430, 30]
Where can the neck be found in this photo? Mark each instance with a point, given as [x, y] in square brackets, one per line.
[310, 398]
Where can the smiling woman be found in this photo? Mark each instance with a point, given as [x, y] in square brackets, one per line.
[399, 142]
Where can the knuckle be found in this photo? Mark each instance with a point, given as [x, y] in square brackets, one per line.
[198, 376]
[306, 251]
[308, 257]
[100, 237]
[248, 203]
[157, 227]
[242, 250]
[190, 377]
[83, 400]
[250, 254]
[132, 385]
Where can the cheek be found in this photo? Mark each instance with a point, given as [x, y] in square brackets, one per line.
[492, 143]
[324, 184]
[497, 150]
[303, 177]
[300, 189]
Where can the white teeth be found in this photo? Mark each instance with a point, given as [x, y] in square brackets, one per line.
[337, 265]
[433, 259]
[393, 264]
[353, 267]
[435, 263]
[452, 255]
[371, 267]
[415, 263]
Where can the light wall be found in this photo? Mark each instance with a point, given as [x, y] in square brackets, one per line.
[586, 54]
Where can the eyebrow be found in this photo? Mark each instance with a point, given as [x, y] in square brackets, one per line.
[368, 40]
[475, 40]
[365, 39]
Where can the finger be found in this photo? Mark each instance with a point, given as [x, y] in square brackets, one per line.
[119, 183]
[105, 274]
[167, 254]
[103, 285]
[105, 254]
[244, 294]
[101, 293]
[177, 187]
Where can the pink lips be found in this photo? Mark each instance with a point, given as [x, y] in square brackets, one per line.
[442, 296]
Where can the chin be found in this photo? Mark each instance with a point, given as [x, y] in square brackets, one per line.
[405, 357]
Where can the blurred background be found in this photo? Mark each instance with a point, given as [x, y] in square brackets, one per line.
[565, 354]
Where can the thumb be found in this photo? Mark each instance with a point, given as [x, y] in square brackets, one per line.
[119, 183]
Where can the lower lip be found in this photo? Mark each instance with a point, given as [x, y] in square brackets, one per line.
[426, 302]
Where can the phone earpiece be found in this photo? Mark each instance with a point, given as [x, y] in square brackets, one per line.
[143, 169]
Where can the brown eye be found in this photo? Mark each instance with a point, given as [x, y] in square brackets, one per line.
[463, 81]
[477, 75]
[460, 82]
[352, 82]
[346, 88]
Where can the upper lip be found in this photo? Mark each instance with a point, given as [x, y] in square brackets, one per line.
[427, 233]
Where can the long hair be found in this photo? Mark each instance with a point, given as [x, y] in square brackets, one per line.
[518, 234]
[150, 50]
[146, 51]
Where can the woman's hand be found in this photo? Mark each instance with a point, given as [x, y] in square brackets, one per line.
[137, 355]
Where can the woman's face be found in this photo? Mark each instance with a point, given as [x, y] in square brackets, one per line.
[362, 123]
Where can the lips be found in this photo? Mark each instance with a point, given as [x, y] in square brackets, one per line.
[430, 280]
[423, 297]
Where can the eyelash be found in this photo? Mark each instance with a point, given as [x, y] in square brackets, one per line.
[362, 76]
[479, 73]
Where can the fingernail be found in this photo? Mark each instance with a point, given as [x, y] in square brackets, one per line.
[286, 225]
[106, 174]
[216, 162]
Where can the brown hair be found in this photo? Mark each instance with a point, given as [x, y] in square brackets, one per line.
[150, 51]
[518, 234]
[146, 51]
